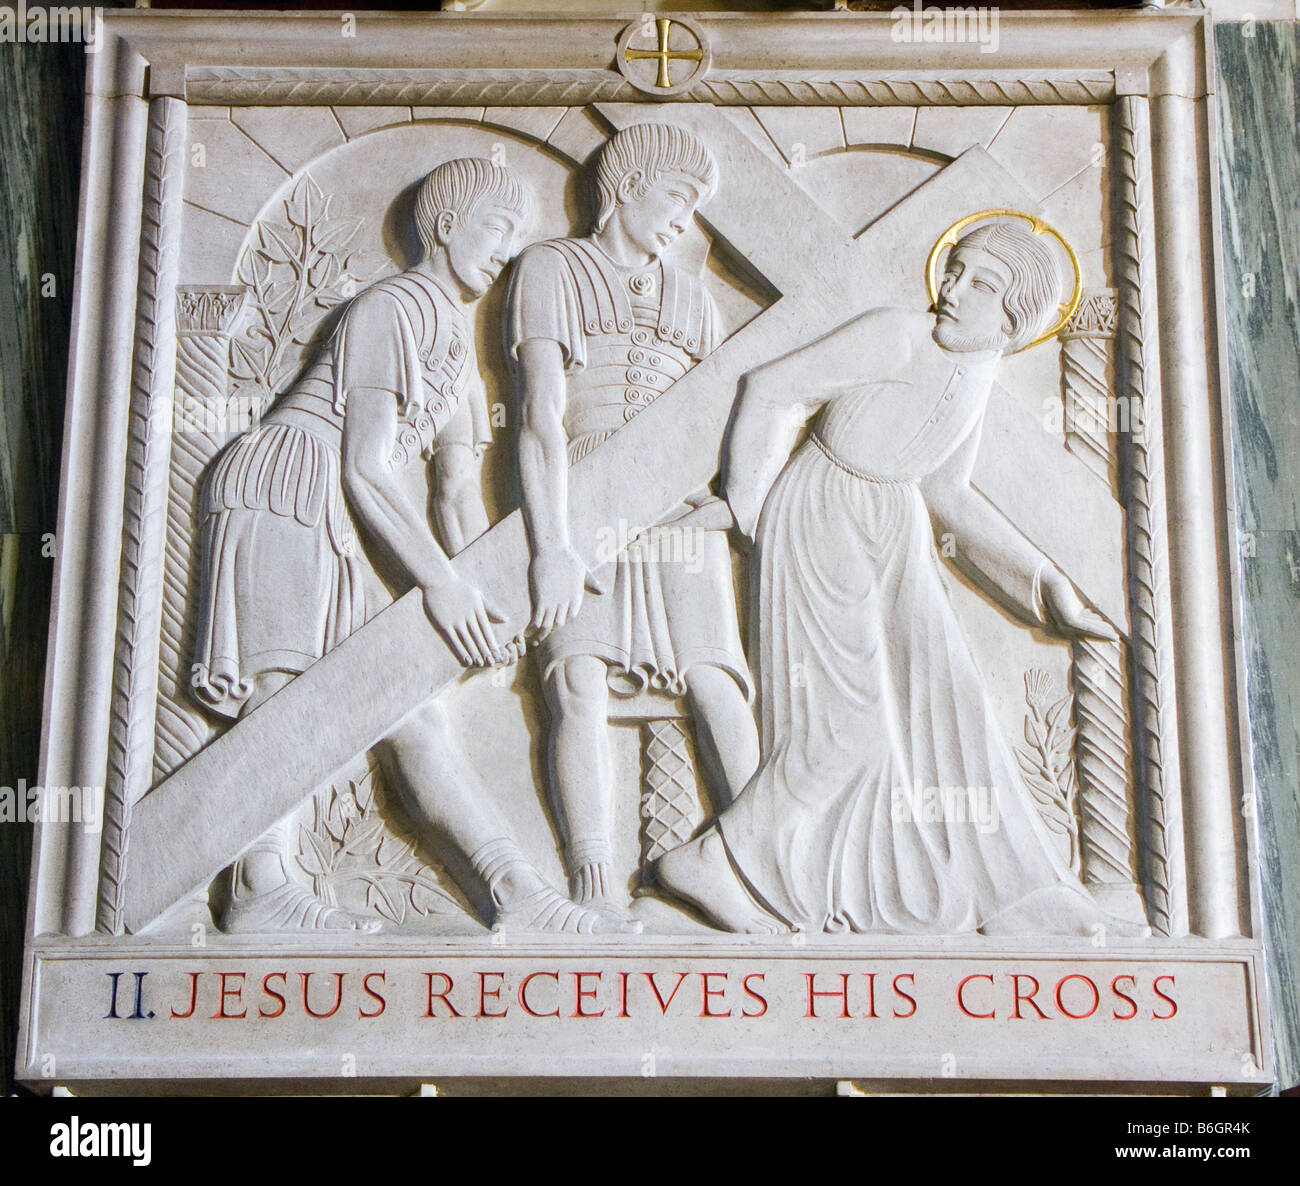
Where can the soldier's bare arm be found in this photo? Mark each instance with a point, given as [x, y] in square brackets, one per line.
[557, 575]
[386, 513]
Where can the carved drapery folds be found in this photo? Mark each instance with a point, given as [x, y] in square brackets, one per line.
[1129, 832]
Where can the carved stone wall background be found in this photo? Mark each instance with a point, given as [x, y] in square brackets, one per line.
[855, 160]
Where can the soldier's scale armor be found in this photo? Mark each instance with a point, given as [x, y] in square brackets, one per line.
[443, 348]
[645, 327]
[627, 335]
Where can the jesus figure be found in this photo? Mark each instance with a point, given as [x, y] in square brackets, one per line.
[869, 688]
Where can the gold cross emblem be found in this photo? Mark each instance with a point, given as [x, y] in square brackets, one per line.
[663, 53]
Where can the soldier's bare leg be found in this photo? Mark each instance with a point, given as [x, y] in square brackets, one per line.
[447, 800]
[725, 728]
[578, 696]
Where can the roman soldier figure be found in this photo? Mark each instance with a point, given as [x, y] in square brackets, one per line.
[600, 327]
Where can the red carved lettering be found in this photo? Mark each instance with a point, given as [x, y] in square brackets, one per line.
[1060, 1004]
[749, 992]
[813, 994]
[961, 988]
[194, 995]
[899, 992]
[442, 996]
[305, 977]
[622, 994]
[223, 992]
[523, 993]
[484, 992]
[710, 992]
[1028, 998]
[871, 994]
[1114, 987]
[1173, 1005]
[582, 993]
[267, 990]
[663, 1005]
[365, 987]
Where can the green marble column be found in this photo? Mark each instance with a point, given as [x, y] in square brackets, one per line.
[1259, 162]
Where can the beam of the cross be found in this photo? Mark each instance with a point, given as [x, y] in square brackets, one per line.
[1078, 531]
[206, 813]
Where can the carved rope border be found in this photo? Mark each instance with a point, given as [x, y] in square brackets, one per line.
[148, 457]
[1143, 490]
[396, 86]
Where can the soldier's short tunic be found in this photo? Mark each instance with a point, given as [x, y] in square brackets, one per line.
[281, 579]
[627, 334]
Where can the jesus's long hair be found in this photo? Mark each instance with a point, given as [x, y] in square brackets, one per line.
[1034, 294]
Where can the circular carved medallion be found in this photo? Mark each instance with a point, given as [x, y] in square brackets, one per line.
[662, 55]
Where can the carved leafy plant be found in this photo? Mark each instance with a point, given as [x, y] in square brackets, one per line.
[296, 271]
[1048, 762]
[350, 849]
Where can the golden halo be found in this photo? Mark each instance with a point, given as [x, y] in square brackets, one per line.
[1039, 227]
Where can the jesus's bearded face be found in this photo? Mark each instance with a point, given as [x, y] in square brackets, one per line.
[970, 314]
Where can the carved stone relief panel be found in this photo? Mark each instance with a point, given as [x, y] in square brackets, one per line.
[561, 525]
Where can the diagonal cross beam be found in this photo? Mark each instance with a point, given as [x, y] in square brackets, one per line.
[206, 813]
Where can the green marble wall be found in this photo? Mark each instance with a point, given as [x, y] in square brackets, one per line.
[1259, 163]
[1259, 94]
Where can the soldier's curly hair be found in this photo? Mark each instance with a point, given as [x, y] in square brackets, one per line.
[462, 184]
[652, 150]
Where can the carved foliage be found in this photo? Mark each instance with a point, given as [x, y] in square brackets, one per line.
[1047, 763]
[296, 270]
[350, 852]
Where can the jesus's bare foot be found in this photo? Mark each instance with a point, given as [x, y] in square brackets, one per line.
[701, 873]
